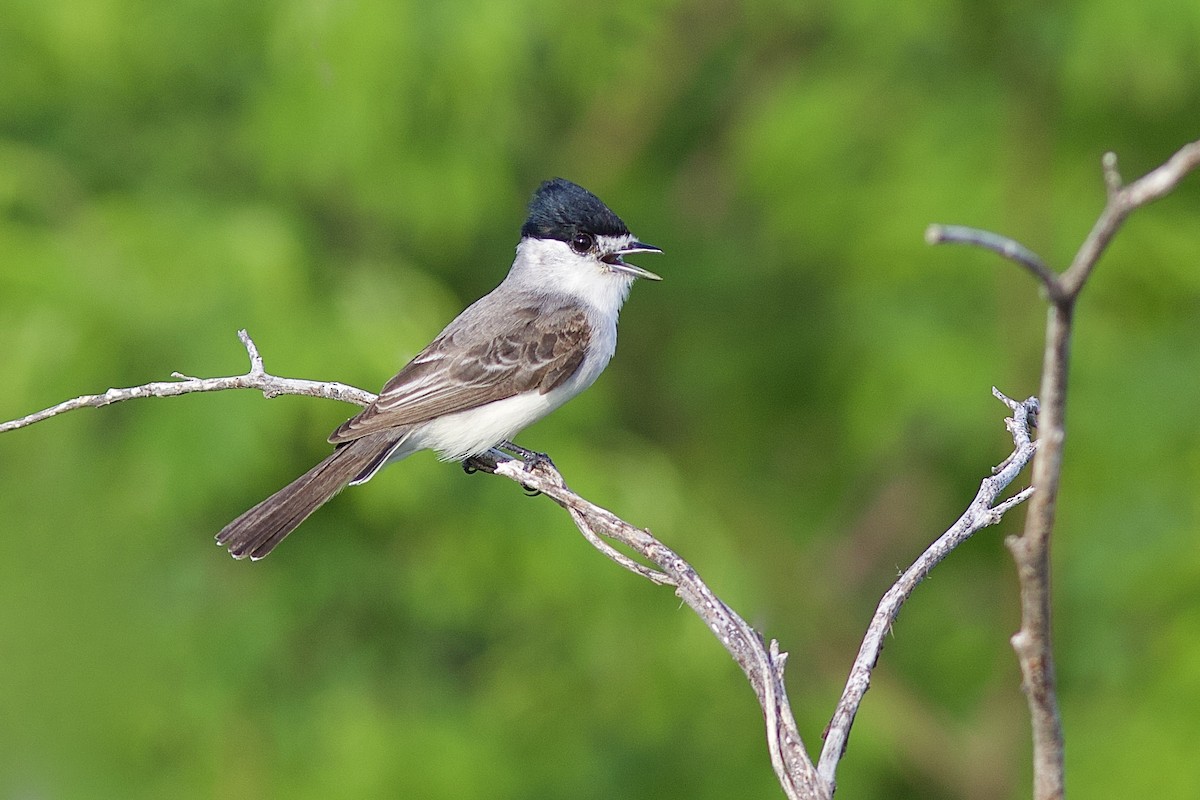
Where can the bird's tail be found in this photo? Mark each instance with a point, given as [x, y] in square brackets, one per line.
[257, 532]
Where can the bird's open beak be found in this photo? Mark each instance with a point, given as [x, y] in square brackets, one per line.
[617, 264]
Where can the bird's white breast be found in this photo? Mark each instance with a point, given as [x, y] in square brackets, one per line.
[466, 433]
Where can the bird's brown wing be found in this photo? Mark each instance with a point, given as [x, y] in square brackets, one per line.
[532, 348]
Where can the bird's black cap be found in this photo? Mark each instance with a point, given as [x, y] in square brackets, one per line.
[561, 209]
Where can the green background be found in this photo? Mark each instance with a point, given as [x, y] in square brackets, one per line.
[798, 408]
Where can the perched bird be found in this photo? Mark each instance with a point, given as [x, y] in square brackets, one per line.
[535, 341]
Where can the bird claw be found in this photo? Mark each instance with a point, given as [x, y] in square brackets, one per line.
[531, 458]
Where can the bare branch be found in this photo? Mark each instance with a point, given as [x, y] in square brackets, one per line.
[1162, 181]
[1004, 507]
[1008, 248]
[762, 663]
[982, 512]
[1031, 550]
[1123, 200]
[650, 574]
[1112, 176]
[256, 361]
[256, 378]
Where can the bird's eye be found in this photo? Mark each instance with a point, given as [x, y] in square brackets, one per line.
[582, 243]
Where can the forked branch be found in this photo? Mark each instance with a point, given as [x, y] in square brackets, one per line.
[762, 662]
[986, 509]
[1031, 550]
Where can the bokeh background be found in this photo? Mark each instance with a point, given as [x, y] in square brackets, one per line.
[799, 407]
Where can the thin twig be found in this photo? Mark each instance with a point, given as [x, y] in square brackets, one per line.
[1122, 201]
[650, 574]
[256, 378]
[1008, 248]
[983, 511]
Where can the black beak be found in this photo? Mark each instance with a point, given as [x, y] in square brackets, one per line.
[615, 261]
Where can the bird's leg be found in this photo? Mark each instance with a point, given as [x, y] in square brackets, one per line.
[486, 462]
[531, 458]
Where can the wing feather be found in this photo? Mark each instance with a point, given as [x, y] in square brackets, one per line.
[526, 348]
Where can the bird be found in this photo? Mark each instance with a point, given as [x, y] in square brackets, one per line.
[542, 336]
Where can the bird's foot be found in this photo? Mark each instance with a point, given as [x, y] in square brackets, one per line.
[531, 458]
[487, 462]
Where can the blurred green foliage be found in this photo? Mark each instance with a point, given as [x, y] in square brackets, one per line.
[798, 408]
